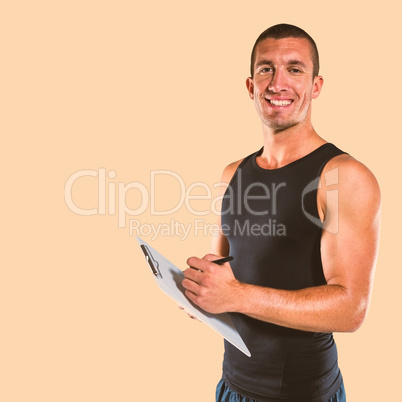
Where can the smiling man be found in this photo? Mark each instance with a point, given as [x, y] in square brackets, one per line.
[289, 290]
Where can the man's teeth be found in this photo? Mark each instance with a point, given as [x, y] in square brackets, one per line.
[280, 102]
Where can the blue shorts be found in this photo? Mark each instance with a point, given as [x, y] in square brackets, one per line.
[225, 394]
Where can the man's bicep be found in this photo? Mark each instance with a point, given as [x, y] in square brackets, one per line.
[349, 253]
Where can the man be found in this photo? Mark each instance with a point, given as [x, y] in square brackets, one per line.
[301, 219]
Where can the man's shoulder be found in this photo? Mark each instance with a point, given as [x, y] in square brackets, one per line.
[349, 167]
[351, 176]
[230, 170]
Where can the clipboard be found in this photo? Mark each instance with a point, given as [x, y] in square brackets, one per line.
[168, 277]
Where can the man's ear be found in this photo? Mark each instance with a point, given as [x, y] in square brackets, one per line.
[250, 87]
[317, 86]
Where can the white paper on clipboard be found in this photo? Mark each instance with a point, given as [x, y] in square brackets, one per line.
[169, 278]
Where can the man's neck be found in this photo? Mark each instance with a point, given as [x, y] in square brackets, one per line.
[284, 147]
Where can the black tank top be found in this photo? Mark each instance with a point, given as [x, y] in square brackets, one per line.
[271, 220]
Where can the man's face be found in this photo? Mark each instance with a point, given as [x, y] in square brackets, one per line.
[283, 86]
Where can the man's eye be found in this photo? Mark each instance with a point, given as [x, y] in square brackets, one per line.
[295, 70]
[265, 70]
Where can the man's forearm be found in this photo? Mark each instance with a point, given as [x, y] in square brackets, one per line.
[327, 308]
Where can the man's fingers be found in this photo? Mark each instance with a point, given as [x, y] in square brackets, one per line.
[202, 264]
[211, 257]
[190, 285]
[193, 261]
[192, 274]
[190, 315]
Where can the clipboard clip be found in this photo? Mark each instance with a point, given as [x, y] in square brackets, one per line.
[153, 264]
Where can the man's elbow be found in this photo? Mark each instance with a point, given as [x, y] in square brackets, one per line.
[358, 313]
[355, 323]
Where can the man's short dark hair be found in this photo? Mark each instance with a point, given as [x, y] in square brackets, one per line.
[282, 31]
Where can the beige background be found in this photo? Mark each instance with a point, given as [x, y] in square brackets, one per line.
[135, 87]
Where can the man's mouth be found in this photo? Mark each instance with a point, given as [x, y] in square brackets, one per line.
[277, 102]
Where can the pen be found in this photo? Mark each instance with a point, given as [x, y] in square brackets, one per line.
[221, 261]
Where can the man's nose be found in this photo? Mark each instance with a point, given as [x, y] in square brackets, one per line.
[278, 82]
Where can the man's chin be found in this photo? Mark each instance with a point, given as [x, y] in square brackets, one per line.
[279, 126]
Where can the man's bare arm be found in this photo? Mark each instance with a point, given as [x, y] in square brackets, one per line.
[220, 244]
[348, 259]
